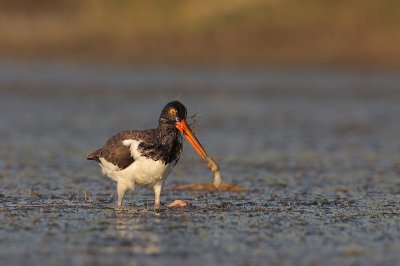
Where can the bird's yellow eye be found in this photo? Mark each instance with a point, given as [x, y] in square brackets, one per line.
[173, 112]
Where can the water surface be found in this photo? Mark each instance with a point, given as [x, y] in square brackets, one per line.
[317, 150]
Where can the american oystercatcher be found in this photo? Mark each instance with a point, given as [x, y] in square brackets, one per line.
[146, 157]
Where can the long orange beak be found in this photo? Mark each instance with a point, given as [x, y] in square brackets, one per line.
[183, 127]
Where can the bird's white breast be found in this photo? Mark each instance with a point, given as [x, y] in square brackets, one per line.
[142, 171]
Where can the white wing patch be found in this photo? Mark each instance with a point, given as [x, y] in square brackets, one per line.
[133, 146]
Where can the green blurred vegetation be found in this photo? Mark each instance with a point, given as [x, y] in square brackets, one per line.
[272, 32]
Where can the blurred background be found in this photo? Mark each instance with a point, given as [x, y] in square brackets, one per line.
[298, 101]
[362, 33]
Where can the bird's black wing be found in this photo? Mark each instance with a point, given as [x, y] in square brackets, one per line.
[114, 151]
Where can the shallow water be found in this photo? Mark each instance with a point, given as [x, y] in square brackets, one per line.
[317, 150]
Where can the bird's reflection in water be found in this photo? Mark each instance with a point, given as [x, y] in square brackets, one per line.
[138, 234]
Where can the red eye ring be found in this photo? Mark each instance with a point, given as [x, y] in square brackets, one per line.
[173, 112]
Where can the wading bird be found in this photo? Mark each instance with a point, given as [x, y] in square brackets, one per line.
[146, 157]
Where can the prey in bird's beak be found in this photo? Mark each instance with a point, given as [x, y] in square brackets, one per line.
[176, 112]
[183, 127]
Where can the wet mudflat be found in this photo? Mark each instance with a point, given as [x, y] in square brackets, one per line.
[317, 151]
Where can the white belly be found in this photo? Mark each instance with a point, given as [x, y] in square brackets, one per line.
[142, 171]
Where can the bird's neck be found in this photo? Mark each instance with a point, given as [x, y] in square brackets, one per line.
[168, 134]
[169, 145]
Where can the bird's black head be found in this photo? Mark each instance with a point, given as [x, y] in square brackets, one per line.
[173, 112]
